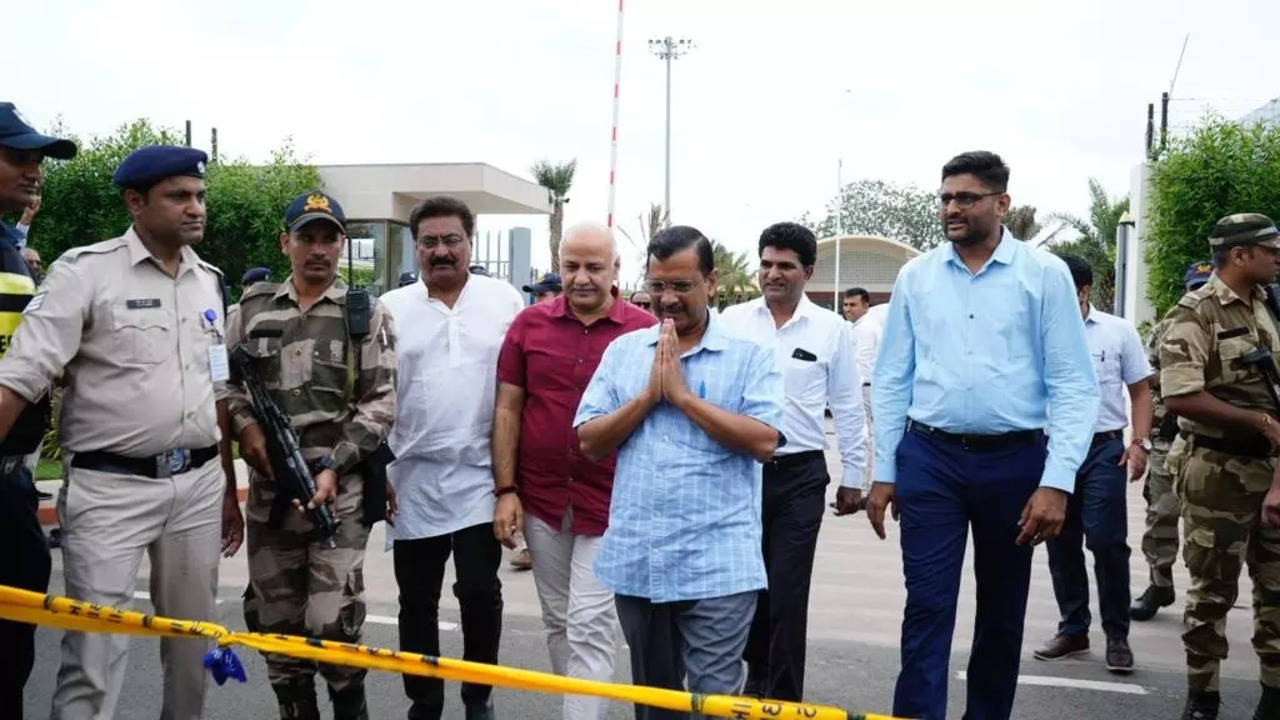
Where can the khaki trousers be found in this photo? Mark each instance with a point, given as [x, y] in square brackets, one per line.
[108, 521]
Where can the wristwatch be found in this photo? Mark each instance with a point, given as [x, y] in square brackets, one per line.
[1144, 443]
[324, 463]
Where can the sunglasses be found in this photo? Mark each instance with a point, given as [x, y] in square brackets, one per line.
[644, 305]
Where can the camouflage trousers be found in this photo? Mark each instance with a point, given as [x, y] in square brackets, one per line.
[1221, 514]
[1160, 540]
[301, 586]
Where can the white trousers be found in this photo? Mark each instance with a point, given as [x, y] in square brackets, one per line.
[577, 609]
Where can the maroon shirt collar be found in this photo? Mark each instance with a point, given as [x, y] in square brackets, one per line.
[617, 313]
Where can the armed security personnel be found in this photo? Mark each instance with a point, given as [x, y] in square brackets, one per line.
[1160, 539]
[134, 326]
[333, 374]
[24, 556]
[1224, 457]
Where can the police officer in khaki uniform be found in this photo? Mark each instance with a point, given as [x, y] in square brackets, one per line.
[24, 556]
[1223, 460]
[134, 325]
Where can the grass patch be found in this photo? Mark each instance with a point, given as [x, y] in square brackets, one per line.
[49, 470]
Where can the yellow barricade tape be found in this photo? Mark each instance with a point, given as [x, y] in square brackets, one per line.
[37, 609]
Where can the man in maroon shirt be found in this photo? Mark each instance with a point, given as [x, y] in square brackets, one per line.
[550, 353]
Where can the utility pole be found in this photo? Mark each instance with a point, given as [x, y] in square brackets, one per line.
[667, 50]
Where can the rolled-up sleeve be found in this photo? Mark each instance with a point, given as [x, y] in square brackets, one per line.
[891, 383]
[1184, 351]
[601, 396]
[762, 389]
[1070, 382]
[50, 331]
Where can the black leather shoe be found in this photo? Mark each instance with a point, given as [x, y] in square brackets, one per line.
[1063, 646]
[1119, 656]
[1144, 606]
[1201, 705]
[1268, 704]
[480, 711]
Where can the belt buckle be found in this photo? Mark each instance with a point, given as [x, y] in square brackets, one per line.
[172, 462]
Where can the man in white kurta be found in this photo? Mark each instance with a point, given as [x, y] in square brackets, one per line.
[454, 324]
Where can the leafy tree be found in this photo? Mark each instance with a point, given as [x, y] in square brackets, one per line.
[1021, 221]
[80, 205]
[874, 207]
[1219, 169]
[1097, 241]
[556, 179]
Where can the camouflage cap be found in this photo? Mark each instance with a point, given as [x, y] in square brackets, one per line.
[1245, 229]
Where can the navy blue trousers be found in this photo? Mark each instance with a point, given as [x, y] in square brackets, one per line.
[24, 563]
[1096, 515]
[943, 491]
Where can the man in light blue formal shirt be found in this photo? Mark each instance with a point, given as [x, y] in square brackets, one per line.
[692, 411]
[983, 334]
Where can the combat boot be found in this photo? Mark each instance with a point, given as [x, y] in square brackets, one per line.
[349, 703]
[1201, 705]
[297, 699]
[1268, 704]
[1144, 606]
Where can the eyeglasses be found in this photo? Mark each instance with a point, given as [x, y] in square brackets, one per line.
[679, 287]
[646, 305]
[451, 242]
[963, 200]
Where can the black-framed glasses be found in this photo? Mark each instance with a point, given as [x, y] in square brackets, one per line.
[642, 304]
[964, 200]
[430, 242]
[658, 287]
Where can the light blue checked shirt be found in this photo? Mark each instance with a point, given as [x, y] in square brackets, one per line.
[986, 353]
[684, 519]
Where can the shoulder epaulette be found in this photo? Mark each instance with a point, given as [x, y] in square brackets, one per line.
[98, 248]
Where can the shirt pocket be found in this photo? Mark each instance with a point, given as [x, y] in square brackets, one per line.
[143, 337]
[805, 380]
[1107, 368]
[1231, 353]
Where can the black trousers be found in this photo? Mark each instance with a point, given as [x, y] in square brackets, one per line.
[794, 497]
[419, 566]
[24, 563]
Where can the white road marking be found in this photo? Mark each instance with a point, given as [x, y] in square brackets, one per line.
[1045, 681]
[389, 620]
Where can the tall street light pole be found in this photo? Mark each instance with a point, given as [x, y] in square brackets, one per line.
[667, 50]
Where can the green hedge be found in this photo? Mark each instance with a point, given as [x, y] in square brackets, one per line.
[1220, 169]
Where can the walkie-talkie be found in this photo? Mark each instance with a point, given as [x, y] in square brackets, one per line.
[359, 307]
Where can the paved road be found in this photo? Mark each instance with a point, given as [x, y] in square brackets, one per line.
[856, 610]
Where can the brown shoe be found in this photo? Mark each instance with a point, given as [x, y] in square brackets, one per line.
[1063, 646]
[522, 560]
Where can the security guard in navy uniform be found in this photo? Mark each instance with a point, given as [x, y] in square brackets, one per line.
[24, 556]
[135, 327]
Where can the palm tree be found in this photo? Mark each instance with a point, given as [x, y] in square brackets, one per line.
[556, 179]
[1021, 221]
[1097, 241]
[735, 282]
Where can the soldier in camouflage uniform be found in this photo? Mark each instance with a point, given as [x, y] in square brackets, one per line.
[339, 393]
[1160, 540]
[1223, 458]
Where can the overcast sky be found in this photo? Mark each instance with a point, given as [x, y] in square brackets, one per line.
[771, 96]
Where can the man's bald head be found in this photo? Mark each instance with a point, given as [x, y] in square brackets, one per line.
[589, 268]
[590, 235]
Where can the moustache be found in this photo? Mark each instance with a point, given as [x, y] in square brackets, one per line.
[443, 261]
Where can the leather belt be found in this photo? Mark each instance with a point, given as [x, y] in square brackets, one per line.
[1106, 437]
[978, 443]
[166, 464]
[793, 458]
[1253, 446]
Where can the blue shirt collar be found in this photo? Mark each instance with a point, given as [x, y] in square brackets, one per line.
[1004, 253]
[10, 233]
[714, 337]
